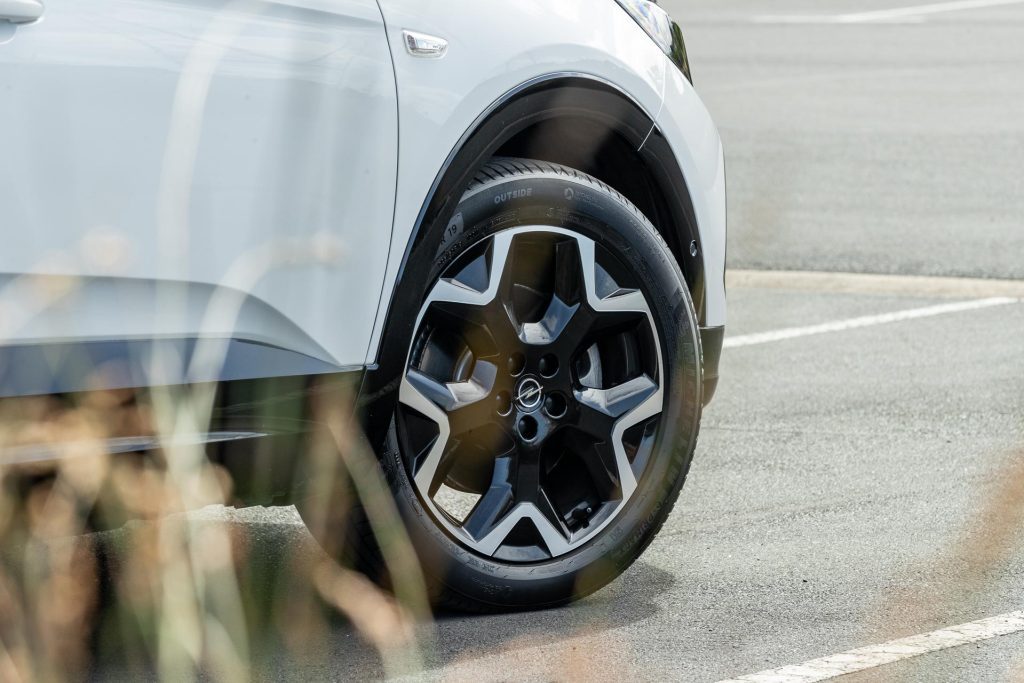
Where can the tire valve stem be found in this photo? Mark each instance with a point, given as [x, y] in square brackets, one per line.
[580, 515]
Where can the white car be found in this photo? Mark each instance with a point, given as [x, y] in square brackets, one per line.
[502, 224]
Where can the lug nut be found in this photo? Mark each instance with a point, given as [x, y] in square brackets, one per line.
[527, 428]
[516, 364]
[549, 366]
[504, 401]
[555, 406]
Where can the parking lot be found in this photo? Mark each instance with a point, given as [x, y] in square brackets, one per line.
[855, 483]
[850, 488]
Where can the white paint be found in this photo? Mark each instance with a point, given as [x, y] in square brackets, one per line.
[922, 10]
[689, 130]
[872, 656]
[913, 14]
[164, 148]
[867, 283]
[825, 19]
[865, 321]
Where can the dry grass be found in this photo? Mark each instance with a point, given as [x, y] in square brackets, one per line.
[174, 596]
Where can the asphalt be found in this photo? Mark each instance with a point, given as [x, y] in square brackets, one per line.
[846, 491]
[848, 488]
[887, 148]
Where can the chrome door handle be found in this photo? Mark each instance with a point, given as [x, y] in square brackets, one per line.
[20, 11]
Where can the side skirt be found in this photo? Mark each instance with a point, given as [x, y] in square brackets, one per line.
[259, 430]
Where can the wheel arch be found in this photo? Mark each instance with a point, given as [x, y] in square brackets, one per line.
[576, 120]
[589, 124]
[644, 171]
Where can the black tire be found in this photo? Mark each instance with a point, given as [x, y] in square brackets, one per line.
[508, 193]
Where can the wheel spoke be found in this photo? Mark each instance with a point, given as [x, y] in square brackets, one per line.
[426, 395]
[599, 458]
[557, 318]
[568, 279]
[606, 414]
[575, 327]
[553, 538]
[438, 401]
[493, 504]
[412, 395]
[619, 400]
[643, 402]
[477, 387]
[452, 291]
[465, 304]
[479, 316]
[547, 509]
[458, 408]
[624, 301]
[564, 298]
[450, 396]
[621, 300]
[518, 481]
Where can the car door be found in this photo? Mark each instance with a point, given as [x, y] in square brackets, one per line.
[196, 169]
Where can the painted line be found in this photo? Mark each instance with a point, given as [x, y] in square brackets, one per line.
[861, 283]
[872, 656]
[921, 10]
[897, 14]
[865, 321]
[831, 20]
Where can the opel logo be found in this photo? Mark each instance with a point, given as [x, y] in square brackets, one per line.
[529, 394]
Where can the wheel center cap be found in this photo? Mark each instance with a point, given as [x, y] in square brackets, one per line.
[529, 394]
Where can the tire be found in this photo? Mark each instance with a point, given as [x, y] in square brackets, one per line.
[615, 350]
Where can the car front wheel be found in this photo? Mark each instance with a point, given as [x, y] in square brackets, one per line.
[551, 396]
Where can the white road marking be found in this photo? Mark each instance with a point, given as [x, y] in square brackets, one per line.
[872, 656]
[915, 13]
[864, 321]
[831, 19]
[921, 10]
[864, 283]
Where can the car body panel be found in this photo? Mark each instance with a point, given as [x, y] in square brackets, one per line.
[440, 100]
[695, 141]
[198, 169]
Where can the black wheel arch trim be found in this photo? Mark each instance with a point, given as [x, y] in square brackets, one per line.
[543, 98]
[711, 341]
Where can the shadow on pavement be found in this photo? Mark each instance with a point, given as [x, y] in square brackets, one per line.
[271, 550]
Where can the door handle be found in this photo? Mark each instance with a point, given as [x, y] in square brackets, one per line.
[20, 11]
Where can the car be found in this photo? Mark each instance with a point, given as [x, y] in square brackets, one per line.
[500, 228]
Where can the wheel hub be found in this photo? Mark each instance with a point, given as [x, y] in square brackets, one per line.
[529, 394]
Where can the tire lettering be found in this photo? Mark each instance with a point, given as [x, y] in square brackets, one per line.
[513, 194]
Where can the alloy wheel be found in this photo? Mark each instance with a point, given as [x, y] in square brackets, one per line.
[532, 394]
